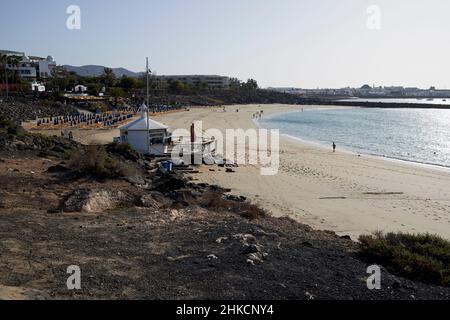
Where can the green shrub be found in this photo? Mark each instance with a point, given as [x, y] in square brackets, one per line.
[12, 130]
[5, 123]
[422, 257]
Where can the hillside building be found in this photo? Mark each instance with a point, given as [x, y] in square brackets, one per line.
[208, 81]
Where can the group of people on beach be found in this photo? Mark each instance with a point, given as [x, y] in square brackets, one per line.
[258, 115]
[67, 134]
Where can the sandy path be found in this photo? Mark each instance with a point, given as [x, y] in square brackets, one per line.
[340, 192]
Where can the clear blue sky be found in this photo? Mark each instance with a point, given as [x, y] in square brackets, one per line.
[303, 43]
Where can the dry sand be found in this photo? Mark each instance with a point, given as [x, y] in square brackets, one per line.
[84, 136]
[338, 191]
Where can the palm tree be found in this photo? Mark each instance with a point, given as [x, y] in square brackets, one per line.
[108, 77]
[58, 79]
[107, 71]
[14, 61]
[3, 63]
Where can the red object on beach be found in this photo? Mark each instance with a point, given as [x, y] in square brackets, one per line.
[192, 133]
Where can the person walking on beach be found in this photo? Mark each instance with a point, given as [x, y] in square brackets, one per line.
[334, 147]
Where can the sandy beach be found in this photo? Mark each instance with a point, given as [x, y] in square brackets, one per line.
[341, 191]
[347, 193]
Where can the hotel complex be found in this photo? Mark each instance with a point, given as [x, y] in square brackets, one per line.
[31, 67]
[210, 81]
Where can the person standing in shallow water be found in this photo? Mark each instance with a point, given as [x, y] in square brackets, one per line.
[334, 147]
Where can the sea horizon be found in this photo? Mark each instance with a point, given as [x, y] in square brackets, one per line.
[418, 100]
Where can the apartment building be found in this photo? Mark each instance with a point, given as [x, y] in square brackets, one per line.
[31, 67]
[210, 81]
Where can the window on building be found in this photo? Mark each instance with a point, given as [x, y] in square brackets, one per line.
[156, 137]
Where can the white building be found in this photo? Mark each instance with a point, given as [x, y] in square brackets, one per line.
[210, 81]
[31, 67]
[45, 67]
[135, 134]
[80, 89]
[24, 68]
[38, 87]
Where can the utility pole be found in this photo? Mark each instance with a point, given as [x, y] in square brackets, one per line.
[148, 107]
[6, 80]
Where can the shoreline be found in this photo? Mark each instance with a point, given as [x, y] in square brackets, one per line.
[348, 150]
[341, 192]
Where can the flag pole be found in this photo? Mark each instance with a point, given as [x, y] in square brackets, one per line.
[148, 107]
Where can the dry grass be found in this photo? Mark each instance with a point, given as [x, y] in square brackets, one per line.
[421, 257]
[214, 201]
[94, 161]
[123, 149]
[9, 127]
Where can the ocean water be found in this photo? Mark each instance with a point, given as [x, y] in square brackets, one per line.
[439, 101]
[416, 135]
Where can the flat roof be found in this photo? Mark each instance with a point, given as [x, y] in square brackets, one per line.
[192, 75]
[36, 58]
[11, 52]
